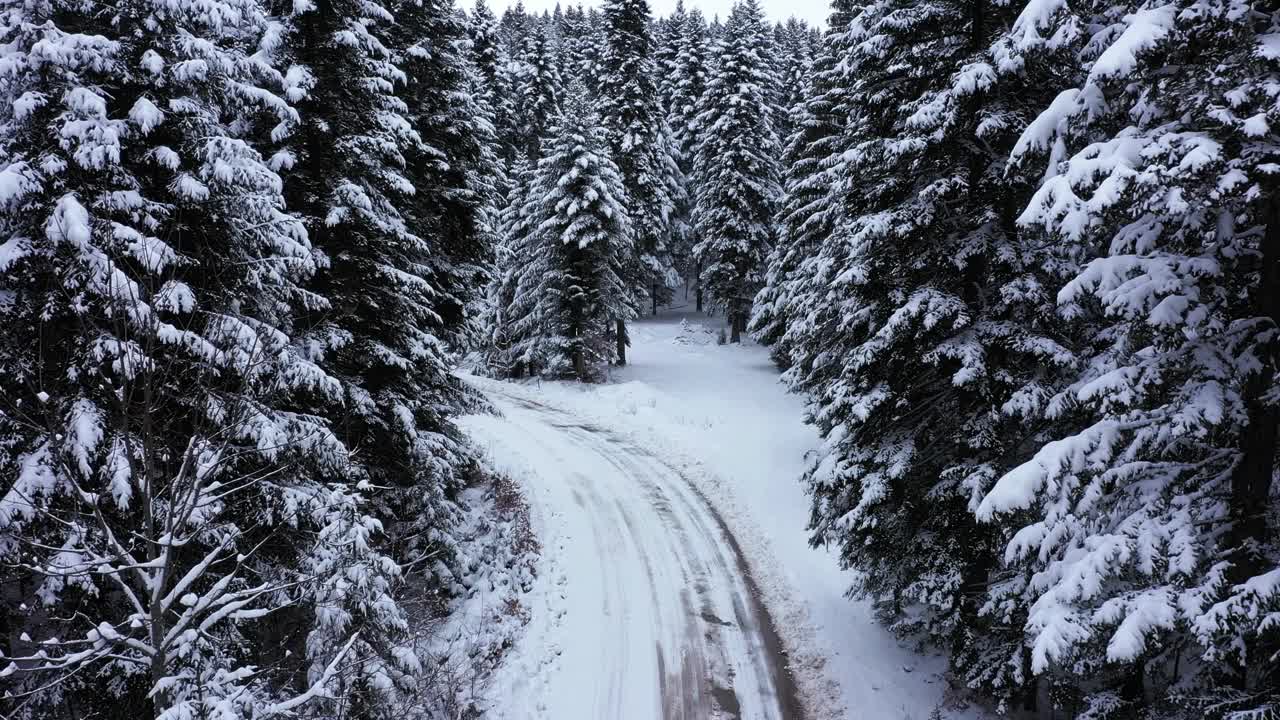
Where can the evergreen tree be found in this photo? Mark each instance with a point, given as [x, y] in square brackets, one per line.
[154, 466]
[592, 44]
[794, 57]
[451, 165]
[918, 317]
[516, 24]
[514, 230]
[537, 87]
[383, 188]
[689, 79]
[493, 85]
[1143, 540]
[571, 264]
[813, 162]
[629, 108]
[668, 33]
[735, 170]
[573, 31]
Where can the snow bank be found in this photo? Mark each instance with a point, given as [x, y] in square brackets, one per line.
[467, 636]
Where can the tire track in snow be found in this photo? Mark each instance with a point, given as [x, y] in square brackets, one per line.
[652, 613]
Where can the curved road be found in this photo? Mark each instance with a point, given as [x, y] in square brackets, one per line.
[648, 611]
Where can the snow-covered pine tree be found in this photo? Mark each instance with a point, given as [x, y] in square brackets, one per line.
[515, 24]
[453, 168]
[594, 44]
[1144, 541]
[486, 42]
[455, 175]
[536, 86]
[735, 174]
[812, 162]
[492, 64]
[361, 172]
[630, 111]
[919, 318]
[573, 30]
[794, 57]
[571, 262]
[667, 35]
[154, 470]
[691, 72]
[514, 233]
[582, 47]
[689, 81]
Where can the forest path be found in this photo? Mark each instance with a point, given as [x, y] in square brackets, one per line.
[651, 612]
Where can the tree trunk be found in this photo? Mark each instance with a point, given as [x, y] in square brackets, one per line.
[697, 282]
[622, 342]
[653, 294]
[1133, 689]
[1031, 689]
[1251, 482]
[735, 327]
[580, 364]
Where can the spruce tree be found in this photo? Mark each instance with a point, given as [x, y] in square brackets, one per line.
[735, 171]
[1144, 534]
[163, 496]
[630, 111]
[918, 317]
[667, 36]
[514, 230]
[689, 79]
[573, 43]
[571, 283]
[813, 161]
[452, 165]
[516, 24]
[383, 189]
[491, 61]
[591, 47]
[537, 87]
[794, 57]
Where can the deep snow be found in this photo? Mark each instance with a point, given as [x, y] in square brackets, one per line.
[719, 417]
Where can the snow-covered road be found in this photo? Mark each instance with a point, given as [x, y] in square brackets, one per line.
[651, 612]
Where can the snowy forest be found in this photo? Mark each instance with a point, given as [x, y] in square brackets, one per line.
[279, 282]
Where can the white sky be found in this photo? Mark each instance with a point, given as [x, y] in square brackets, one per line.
[813, 12]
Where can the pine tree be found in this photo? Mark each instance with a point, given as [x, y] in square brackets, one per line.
[813, 162]
[384, 190]
[794, 57]
[516, 24]
[155, 462]
[667, 36]
[629, 108]
[514, 232]
[689, 78]
[573, 30]
[918, 317]
[453, 168]
[537, 87]
[584, 48]
[735, 170]
[571, 262]
[590, 50]
[1143, 541]
[494, 90]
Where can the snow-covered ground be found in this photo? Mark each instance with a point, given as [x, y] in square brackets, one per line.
[645, 610]
[719, 421]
